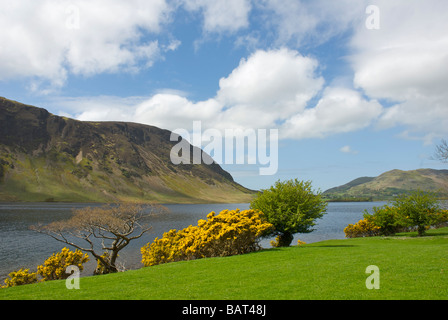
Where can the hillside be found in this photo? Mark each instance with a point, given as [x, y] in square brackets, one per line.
[44, 157]
[390, 184]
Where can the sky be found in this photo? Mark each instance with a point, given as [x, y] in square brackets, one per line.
[352, 88]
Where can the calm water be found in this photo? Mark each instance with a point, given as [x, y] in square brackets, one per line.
[21, 247]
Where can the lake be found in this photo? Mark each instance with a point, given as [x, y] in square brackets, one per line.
[21, 247]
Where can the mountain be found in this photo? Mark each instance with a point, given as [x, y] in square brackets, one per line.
[44, 157]
[390, 184]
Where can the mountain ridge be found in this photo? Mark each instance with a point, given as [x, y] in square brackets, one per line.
[390, 184]
[45, 157]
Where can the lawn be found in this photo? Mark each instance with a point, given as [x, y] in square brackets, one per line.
[409, 268]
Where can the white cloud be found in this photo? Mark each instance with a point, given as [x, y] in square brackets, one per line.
[311, 22]
[339, 110]
[171, 111]
[222, 15]
[348, 149]
[48, 40]
[270, 85]
[406, 62]
[269, 89]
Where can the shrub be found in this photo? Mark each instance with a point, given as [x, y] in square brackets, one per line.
[419, 210]
[386, 218]
[441, 219]
[228, 233]
[292, 207]
[20, 277]
[363, 228]
[54, 267]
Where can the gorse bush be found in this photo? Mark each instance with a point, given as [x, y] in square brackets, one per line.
[54, 267]
[20, 277]
[363, 228]
[230, 232]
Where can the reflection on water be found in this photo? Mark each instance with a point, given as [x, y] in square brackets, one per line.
[21, 247]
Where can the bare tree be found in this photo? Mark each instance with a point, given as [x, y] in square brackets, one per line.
[114, 225]
[442, 151]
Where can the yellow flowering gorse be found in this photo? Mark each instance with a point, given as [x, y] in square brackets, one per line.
[363, 228]
[20, 277]
[54, 267]
[229, 233]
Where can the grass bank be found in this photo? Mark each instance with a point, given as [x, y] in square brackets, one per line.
[410, 268]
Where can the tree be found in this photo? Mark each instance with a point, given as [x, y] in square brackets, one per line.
[113, 225]
[292, 207]
[441, 152]
[419, 209]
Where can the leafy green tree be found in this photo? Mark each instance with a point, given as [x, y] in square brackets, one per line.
[419, 209]
[292, 207]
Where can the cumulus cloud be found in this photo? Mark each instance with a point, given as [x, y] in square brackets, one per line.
[272, 85]
[47, 40]
[406, 63]
[268, 86]
[269, 89]
[340, 110]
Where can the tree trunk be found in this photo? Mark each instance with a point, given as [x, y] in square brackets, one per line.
[421, 230]
[284, 239]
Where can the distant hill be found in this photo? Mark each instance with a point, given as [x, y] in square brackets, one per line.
[44, 157]
[390, 184]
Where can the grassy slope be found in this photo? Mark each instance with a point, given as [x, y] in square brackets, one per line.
[410, 268]
[393, 182]
[34, 180]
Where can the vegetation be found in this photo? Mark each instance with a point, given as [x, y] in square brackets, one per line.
[441, 152]
[390, 185]
[20, 277]
[54, 268]
[411, 268]
[418, 211]
[292, 207]
[116, 226]
[228, 233]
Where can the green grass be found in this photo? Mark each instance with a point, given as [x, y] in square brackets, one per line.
[410, 268]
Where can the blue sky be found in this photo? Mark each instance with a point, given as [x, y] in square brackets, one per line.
[348, 100]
